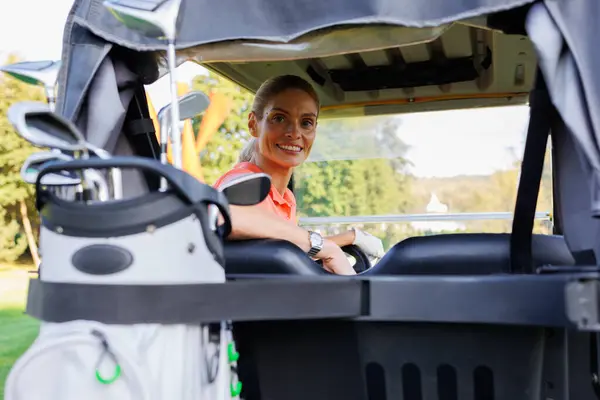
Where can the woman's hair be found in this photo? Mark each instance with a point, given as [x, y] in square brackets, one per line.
[270, 88]
[248, 151]
[273, 86]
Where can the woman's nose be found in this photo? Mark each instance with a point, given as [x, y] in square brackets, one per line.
[293, 130]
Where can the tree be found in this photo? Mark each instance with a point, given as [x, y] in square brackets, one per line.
[16, 197]
[486, 193]
[223, 149]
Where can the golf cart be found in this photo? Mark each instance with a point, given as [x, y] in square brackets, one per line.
[461, 316]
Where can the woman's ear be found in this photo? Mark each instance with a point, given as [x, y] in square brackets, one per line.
[252, 124]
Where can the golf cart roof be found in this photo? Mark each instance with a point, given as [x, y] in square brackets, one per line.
[457, 65]
[365, 58]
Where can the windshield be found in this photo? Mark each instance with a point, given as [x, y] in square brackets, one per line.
[418, 174]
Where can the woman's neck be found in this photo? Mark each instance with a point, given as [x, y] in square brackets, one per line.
[280, 177]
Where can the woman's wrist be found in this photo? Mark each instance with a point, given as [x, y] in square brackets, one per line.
[351, 235]
[330, 249]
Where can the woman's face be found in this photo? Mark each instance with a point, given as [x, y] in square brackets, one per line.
[287, 129]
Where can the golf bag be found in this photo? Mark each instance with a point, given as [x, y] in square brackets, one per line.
[110, 274]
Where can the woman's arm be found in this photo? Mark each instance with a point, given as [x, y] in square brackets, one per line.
[343, 239]
[368, 243]
[254, 222]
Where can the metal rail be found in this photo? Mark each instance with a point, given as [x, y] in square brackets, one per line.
[376, 219]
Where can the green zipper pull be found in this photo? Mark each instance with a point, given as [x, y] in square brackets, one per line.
[106, 352]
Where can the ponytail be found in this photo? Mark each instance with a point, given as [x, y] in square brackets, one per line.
[247, 152]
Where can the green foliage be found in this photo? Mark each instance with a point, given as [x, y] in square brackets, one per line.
[223, 149]
[13, 152]
[361, 181]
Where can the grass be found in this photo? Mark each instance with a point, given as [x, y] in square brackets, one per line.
[17, 330]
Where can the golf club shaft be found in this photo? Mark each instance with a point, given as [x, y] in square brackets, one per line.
[98, 181]
[50, 98]
[115, 173]
[164, 135]
[175, 131]
[117, 183]
[84, 188]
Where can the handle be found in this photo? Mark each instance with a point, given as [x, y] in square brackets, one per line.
[180, 181]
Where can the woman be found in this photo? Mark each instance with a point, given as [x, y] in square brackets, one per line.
[283, 123]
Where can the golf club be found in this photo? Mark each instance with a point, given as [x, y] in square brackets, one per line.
[190, 105]
[38, 73]
[157, 19]
[32, 165]
[64, 179]
[98, 182]
[115, 173]
[245, 190]
[37, 124]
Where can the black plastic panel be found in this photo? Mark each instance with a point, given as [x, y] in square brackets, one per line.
[417, 74]
[466, 254]
[269, 257]
[267, 299]
[339, 360]
[525, 300]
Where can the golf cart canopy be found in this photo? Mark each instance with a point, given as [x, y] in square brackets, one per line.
[366, 57]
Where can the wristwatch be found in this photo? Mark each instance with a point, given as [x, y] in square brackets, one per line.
[316, 243]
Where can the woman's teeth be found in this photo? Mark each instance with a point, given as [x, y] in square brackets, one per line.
[293, 148]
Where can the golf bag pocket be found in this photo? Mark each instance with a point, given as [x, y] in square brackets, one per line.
[72, 362]
[93, 361]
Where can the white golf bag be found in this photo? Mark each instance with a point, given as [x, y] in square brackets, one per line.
[120, 296]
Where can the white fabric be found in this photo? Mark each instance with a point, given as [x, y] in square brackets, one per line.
[371, 245]
[157, 363]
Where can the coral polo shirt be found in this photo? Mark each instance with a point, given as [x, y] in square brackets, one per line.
[282, 205]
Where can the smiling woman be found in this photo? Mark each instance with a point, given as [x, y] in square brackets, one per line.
[283, 124]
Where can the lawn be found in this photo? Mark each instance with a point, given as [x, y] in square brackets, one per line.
[17, 330]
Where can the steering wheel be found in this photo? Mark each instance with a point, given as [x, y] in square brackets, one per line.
[362, 263]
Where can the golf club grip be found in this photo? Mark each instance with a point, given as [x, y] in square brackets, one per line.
[187, 186]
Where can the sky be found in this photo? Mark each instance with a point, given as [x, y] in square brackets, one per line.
[441, 144]
[456, 142]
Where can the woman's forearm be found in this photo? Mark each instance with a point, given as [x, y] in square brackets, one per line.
[343, 239]
[254, 222]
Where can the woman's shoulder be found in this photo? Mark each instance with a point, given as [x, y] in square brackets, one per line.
[239, 169]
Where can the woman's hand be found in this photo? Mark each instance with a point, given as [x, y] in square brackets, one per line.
[334, 259]
[371, 245]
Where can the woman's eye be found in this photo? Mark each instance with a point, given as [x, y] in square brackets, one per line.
[308, 123]
[279, 118]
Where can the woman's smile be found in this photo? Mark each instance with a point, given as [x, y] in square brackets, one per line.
[290, 148]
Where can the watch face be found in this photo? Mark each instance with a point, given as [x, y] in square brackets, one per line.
[316, 243]
[316, 240]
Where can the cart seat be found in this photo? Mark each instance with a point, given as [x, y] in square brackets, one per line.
[268, 256]
[466, 254]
